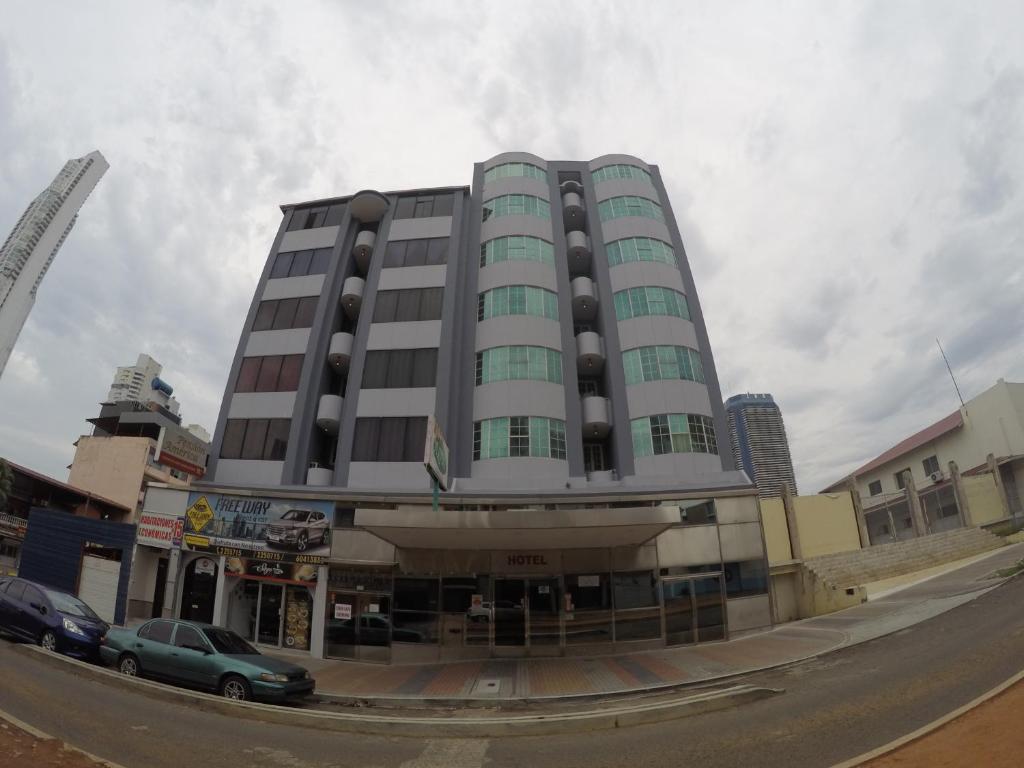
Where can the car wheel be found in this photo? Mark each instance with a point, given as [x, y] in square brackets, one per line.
[300, 543]
[128, 665]
[48, 641]
[236, 688]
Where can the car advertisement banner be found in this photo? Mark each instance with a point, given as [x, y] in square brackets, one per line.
[259, 528]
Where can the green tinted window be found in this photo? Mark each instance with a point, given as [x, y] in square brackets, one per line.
[514, 170]
[620, 172]
[634, 249]
[516, 205]
[516, 248]
[518, 362]
[673, 433]
[650, 300]
[517, 300]
[629, 205]
[662, 362]
[519, 436]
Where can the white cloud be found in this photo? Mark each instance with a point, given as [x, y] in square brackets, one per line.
[847, 179]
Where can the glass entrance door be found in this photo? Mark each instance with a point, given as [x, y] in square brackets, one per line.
[358, 626]
[679, 619]
[545, 630]
[509, 611]
[268, 622]
[707, 595]
[694, 610]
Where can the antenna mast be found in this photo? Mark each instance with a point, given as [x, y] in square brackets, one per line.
[955, 386]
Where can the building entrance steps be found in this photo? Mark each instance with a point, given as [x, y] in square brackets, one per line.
[491, 682]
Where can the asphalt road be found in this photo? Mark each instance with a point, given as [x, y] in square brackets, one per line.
[833, 709]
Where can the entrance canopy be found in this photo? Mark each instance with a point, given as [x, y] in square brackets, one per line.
[423, 528]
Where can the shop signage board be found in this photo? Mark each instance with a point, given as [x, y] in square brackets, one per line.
[156, 529]
[291, 573]
[206, 566]
[180, 449]
[262, 528]
[435, 453]
[342, 611]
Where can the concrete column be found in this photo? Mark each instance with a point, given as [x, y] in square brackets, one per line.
[858, 511]
[961, 495]
[914, 501]
[993, 467]
[791, 524]
[170, 609]
[318, 620]
[220, 596]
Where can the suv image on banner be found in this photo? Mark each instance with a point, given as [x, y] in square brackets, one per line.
[299, 528]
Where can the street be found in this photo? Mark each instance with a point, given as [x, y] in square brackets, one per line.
[834, 708]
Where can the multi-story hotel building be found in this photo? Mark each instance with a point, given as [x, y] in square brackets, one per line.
[546, 320]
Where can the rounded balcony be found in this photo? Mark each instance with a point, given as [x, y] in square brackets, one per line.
[328, 413]
[572, 210]
[352, 295]
[589, 353]
[320, 476]
[368, 205]
[578, 247]
[584, 298]
[597, 417]
[340, 352]
[364, 248]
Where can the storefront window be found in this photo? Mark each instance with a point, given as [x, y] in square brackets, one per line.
[746, 578]
[457, 593]
[416, 610]
[588, 616]
[297, 618]
[637, 612]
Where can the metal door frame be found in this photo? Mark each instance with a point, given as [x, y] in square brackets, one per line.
[720, 575]
[509, 651]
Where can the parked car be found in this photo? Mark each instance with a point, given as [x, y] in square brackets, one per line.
[299, 528]
[486, 610]
[58, 621]
[206, 657]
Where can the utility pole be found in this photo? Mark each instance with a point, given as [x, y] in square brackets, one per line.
[955, 386]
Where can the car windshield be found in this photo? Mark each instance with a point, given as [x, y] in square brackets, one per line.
[69, 604]
[296, 514]
[226, 641]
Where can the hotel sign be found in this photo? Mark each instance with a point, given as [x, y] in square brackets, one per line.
[527, 561]
[435, 453]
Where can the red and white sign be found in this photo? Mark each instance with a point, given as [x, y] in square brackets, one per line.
[342, 611]
[156, 529]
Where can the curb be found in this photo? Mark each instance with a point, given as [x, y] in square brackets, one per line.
[434, 727]
[934, 725]
[44, 736]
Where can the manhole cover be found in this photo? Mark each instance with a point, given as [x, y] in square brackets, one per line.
[484, 687]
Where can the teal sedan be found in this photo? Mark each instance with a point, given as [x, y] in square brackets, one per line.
[203, 656]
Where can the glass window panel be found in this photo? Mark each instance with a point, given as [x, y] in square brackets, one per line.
[424, 208]
[255, 436]
[277, 439]
[415, 438]
[416, 253]
[642, 440]
[300, 263]
[320, 262]
[408, 305]
[297, 220]
[437, 250]
[416, 594]
[540, 437]
[305, 312]
[394, 255]
[746, 578]
[269, 371]
[247, 374]
[285, 316]
[264, 316]
[635, 589]
[291, 371]
[424, 368]
[631, 366]
[234, 434]
[443, 205]
[557, 438]
[431, 303]
[400, 368]
[366, 439]
[375, 369]
[282, 263]
[385, 307]
[334, 215]
[405, 208]
[392, 439]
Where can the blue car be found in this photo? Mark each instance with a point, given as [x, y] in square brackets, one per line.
[56, 620]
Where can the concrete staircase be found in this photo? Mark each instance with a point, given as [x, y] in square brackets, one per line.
[847, 569]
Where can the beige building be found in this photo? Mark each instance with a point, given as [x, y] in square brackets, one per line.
[119, 468]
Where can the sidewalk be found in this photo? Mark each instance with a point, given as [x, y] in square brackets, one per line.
[519, 679]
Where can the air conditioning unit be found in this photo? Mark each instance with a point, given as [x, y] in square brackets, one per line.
[937, 477]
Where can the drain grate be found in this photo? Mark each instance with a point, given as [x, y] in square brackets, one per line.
[487, 686]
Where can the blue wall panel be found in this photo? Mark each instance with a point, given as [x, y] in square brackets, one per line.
[52, 552]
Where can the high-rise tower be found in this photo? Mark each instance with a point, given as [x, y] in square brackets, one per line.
[30, 248]
[759, 444]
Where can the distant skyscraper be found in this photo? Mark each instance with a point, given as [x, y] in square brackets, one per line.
[141, 383]
[29, 249]
[759, 443]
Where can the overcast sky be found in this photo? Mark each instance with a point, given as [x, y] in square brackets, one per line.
[847, 178]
